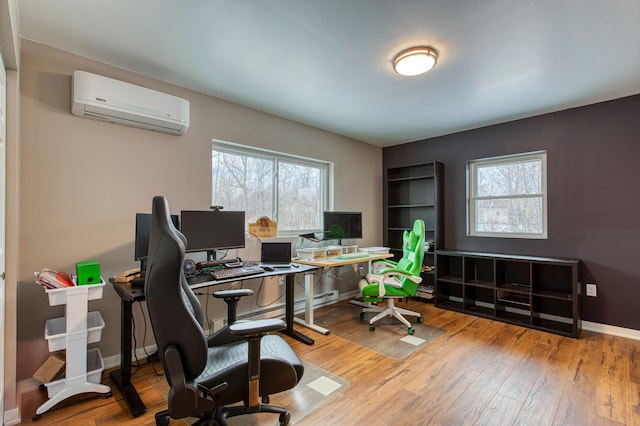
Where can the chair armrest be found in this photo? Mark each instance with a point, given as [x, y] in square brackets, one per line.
[385, 263]
[239, 292]
[253, 328]
[389, 272]
[393, 272]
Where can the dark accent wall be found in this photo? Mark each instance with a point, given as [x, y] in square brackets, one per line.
[593, 170]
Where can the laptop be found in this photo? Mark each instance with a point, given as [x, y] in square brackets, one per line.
[276, 255]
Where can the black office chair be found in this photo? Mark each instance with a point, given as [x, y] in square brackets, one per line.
[206, 378]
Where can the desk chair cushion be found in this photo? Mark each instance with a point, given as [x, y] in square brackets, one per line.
[280, 369]
[392, 286]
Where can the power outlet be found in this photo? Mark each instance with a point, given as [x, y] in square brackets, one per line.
[591, 290]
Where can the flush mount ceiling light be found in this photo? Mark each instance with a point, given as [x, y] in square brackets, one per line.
[415, 61]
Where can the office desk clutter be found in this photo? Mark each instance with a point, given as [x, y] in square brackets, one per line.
[275, 255]
[50, 278]
[68, 337]
[128, 276]
[235, 271]
[263, 228]
[88, 272]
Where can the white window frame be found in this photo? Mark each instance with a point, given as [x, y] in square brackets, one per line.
[472, 168]
[326, 168]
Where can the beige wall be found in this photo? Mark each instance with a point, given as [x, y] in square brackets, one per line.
[12, 246]
[82, 181]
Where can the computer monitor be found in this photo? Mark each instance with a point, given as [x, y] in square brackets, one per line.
[212, 230]
[141, 242]
[342, 225]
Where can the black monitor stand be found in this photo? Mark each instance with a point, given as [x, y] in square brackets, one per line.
[212, 261]
[143, 266]
[211, 255]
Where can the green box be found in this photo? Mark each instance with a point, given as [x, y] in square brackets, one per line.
[88, 272]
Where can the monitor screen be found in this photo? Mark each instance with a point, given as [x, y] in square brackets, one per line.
[342, 225]
[212, 230]
[143, 229]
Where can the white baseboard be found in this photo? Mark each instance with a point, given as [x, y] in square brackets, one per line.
[12, 417]
[612, 330]
[350, 295]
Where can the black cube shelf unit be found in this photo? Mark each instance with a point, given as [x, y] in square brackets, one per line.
[536, 292]
[415, 192]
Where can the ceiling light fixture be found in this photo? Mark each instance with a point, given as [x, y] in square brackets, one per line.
[415, 61]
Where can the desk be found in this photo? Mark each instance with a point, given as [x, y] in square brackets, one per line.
[130, 295]
[327, 262]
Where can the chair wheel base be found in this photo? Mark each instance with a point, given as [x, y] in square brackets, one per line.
[372, 328]
[162, 419]
[284, 419]
[411, 330]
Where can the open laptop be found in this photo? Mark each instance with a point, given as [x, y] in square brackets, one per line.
[276, 255]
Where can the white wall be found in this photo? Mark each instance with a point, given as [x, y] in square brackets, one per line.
[82, 181]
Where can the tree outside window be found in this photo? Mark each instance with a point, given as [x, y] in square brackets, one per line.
[289, 190]
[508, 196]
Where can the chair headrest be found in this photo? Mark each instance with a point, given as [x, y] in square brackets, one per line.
[164, 292]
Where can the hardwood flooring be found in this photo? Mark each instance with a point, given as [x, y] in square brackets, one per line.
[479, 372]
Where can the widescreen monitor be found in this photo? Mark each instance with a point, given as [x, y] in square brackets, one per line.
[212, 230]
[143, 229]
[342, 225]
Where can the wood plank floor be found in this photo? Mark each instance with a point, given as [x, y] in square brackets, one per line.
[480, 372]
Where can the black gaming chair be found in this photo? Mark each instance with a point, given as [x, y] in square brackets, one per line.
[206, 377]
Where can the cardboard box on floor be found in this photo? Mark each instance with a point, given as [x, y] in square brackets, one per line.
[51, 368]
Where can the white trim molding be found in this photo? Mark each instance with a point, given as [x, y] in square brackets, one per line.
[12, 417]
[613, 330]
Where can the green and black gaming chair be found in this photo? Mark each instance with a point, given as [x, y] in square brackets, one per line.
[397, 280]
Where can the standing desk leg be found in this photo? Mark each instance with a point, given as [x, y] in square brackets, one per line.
[289, 307]
[308, 306]
[122, 377]
[357, 302]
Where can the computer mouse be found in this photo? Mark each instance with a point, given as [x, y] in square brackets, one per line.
[268, 268]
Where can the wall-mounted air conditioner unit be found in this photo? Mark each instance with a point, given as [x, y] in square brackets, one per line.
[107, 99]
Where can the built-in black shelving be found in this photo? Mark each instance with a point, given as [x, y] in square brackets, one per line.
[415, 192]
[536, 292]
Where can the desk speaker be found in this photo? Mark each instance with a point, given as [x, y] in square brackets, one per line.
[88, 272]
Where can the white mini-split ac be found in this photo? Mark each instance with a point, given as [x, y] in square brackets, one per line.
[111, 100]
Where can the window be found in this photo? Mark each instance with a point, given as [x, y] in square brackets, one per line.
[507, 196]
[293, 191]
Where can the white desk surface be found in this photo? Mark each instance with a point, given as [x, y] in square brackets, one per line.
[329, 262]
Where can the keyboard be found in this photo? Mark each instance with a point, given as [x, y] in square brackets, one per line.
[241, 271]
[347, 256]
